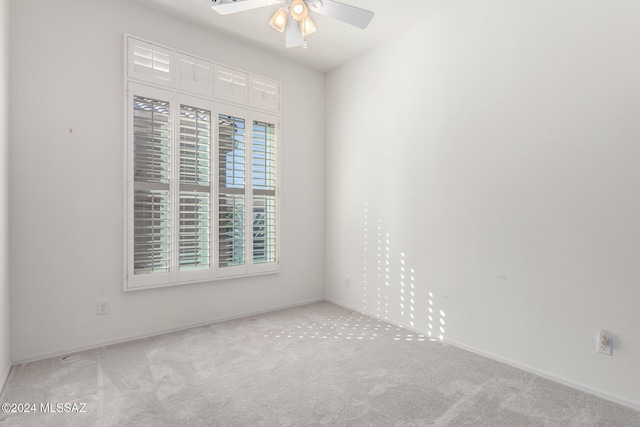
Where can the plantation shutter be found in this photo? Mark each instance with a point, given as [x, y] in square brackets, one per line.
[264, 191]
[230, 84]
[149, 62]
[231, 195]
[195, 188]
[195, 75]
[264, 94]
[201, 182]
[151, 173]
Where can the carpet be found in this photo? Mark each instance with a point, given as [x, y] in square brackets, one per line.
[313, 365]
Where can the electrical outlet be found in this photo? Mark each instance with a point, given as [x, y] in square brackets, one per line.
[103, 306]
[604, 343]
[347, 282]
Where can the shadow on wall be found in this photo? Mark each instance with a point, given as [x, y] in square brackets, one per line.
[394, 284]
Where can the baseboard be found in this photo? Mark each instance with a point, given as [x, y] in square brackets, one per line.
[358, 310]
[4, 376]
[550, 376]
[166, 331]
[541, 373]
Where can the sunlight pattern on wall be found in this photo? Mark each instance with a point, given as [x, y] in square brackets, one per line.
[407, 293]
[364, 266]
[386, 275]
[383, 271]
[437, 330]
[403, 286]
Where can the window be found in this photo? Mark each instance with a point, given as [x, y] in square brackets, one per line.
[246, 190]
[201, 185]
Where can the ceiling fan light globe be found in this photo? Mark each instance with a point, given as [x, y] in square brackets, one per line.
[307, 27]
[298, 10]
[279, 20]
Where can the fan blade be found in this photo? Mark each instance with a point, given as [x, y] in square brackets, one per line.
[342, 12]
[226, 7]
[293, 36]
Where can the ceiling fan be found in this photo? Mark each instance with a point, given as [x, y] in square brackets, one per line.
[293, 16]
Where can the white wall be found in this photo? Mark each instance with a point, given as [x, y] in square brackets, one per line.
[66, 191]
[5, 353]
[496, 152]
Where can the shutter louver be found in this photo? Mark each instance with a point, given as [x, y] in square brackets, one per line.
[195, 173]
[264, 229]
[194, 230]
[231, 201]
[149, 62]
[151, 232]
[151, 133]
[230, 84]
[231, 230]
[264, 192]
[195, 75]
[265, 94]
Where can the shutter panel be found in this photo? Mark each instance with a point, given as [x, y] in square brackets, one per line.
[264, 229]
[264, 192]
[265, 94]
[148, 62]
[231, 199]
[195, 188]
[230, 84]
[195, 75]
[151, 171]
[151, 232]
[194, 230]
[230, 230]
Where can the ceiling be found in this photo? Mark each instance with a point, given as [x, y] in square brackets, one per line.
[332, 45]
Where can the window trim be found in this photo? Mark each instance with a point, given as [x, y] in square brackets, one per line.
[248, 268]
[166, 90]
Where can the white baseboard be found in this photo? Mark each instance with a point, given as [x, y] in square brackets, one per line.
[541, 373]
[4, 376]
[550, 376]
[358, 310]
[165, 331]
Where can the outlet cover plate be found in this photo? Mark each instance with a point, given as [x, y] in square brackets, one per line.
[603, 348]
[103, 306]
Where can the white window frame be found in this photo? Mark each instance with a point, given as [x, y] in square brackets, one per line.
[137, 84]
[248, 268]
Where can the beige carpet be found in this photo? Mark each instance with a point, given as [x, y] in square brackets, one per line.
[314, 365]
